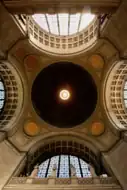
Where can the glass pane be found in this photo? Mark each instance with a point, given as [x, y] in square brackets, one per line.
[2, 95]
[54, 160]
[74, 22]
[1, 86]
[43, 169]
[125, 94]
[125, 102]
[1, 104]
[40, 19]
[85, 169]
[53, 25]
[125, 87]
[85, 20]
[63, 23]
[64, 168]
[74, 161]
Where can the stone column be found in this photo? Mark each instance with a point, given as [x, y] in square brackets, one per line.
[116, 158]
[10, 158]
[2, 136]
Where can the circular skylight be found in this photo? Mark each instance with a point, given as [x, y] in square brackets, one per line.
[63, 24]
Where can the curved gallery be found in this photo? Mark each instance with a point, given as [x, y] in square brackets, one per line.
[64, 94]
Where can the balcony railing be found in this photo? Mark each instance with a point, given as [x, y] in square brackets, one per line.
[62, 45]
[99, 183]
[60, 181]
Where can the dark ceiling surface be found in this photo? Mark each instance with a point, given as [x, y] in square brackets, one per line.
[45, 94]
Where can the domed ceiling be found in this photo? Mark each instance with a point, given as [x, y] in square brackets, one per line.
[64, 94]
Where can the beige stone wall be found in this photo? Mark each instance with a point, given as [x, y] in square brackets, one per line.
[117, 159]
[9, 160]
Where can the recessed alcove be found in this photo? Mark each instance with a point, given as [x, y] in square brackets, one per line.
[74, 81]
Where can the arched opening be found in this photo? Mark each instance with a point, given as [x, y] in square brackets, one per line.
[63, 155]
[115, 95]
[11, 95]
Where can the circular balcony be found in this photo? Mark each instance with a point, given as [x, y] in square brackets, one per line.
[60, 44]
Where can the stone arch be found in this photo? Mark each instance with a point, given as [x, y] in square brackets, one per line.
[64, 144]
[113, 94]
[14, 95]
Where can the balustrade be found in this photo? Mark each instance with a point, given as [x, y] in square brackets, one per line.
[64, 181]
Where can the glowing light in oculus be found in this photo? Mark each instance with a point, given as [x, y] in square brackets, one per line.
[64, 94]
[64, 23]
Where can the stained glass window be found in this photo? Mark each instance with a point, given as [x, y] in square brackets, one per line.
[64, 23]
[85, 169]
[43, 169]
[75, 162]
[2, 95]
[63, 165]
[125, 94]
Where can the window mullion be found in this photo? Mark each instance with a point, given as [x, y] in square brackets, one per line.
[58, 170]
[47, 168]
[80, 167]
[69, 166]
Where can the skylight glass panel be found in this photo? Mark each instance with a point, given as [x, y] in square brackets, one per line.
[1, 86]
[125, 94]
[63, 24]
[53, 23]
[125, 102]
[74, 22]
[40, 19]
[85, 20]
[1, 104]
[2, 95]
[125, 87]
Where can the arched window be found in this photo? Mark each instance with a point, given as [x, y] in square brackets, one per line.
[63, 165]
[125, 94]
[2, 95]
